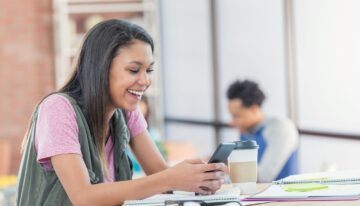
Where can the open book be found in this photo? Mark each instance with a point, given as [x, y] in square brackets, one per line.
[348, 190]
[229, 194]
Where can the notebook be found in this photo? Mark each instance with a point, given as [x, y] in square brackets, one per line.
[321, 180]
[314, 186]
[229, 194]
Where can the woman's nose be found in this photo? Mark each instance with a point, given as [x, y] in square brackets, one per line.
[145, 79]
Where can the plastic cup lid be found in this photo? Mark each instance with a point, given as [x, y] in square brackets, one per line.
[247, 144]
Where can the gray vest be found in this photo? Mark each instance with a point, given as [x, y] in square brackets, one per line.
[39, 187]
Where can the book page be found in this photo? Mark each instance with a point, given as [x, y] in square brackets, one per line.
[227, 193]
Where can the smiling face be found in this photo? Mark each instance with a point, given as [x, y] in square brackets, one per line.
[130, 75]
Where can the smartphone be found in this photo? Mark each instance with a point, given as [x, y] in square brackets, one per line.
[222, 152]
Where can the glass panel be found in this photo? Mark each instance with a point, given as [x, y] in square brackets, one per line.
[229, 135]
[251, 45]
[186, 59]
[328, 49]
[198, 141]
[329, 157]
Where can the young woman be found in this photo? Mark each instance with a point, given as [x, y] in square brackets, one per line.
[75, 148]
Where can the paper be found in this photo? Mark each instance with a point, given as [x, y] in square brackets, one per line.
[334, 192]
[254, 203]
[226, 194]
[312, 191]
[346, 177]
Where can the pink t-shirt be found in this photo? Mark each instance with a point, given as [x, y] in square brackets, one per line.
[57, 132]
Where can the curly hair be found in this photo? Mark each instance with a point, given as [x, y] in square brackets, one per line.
[247, 91]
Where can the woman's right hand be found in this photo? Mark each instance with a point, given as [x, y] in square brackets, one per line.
[196, 176]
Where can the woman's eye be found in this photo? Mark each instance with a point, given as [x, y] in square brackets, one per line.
[149, 71]
[134, 71]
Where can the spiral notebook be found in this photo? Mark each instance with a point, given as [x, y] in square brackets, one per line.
[319, 186]
[227, 195]
[320, 180]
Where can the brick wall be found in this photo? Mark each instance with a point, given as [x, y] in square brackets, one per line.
[26, 67]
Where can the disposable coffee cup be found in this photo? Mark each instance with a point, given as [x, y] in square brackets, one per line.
[242, 164]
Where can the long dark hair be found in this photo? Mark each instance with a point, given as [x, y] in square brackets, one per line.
[89, 83]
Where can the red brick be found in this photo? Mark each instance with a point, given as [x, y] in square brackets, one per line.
[27, 65]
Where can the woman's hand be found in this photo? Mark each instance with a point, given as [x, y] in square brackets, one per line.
[196, 176]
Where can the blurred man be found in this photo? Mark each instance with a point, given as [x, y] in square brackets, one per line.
[277, 138]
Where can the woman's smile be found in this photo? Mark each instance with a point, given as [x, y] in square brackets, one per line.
[136, 93]
[130, 75]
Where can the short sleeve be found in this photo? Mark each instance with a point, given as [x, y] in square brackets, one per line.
[56, 130]
[136, 122]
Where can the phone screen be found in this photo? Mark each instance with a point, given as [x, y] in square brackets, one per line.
[222, 152]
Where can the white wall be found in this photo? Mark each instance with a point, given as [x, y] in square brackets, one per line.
[322, 154]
